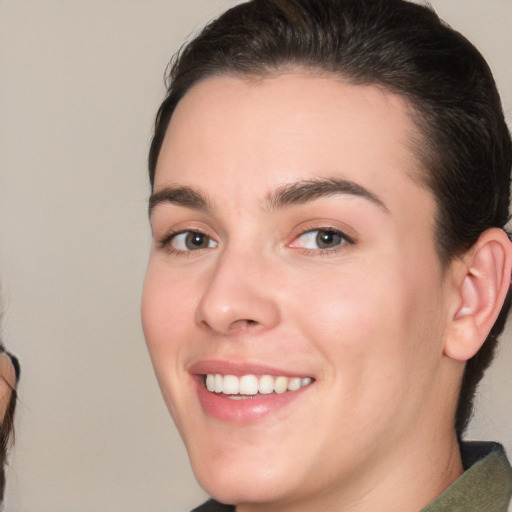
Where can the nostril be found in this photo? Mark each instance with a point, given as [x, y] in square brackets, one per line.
[231, 327]
[243, 324]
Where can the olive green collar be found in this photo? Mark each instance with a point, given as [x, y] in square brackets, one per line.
[485, 486]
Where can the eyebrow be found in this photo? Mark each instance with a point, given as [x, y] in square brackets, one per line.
[179, 195]
[309, 190]
[286, 195]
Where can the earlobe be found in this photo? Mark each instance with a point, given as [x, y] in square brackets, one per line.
[482, 286]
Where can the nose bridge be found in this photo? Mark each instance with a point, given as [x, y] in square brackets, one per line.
[238, 294]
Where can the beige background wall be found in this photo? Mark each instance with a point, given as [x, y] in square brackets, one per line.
[80, 82]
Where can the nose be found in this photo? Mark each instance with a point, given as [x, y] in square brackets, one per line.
[238, 296]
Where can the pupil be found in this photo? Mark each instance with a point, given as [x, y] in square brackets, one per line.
[196, 241]
[327, 239]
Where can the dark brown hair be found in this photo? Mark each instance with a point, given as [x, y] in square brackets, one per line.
[466, 150]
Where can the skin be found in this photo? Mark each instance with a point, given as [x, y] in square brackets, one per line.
[7, 382]
[368, 319]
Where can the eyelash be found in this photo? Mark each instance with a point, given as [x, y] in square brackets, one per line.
[345, 240]
[166, 241]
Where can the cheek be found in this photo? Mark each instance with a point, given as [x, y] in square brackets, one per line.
[165, 300]
[167, 305]
[365, 324]
[344, 310]
[166, 311]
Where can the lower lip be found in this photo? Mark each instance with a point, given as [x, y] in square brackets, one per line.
[245, 410]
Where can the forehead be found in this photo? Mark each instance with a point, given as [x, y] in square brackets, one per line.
[252, 135]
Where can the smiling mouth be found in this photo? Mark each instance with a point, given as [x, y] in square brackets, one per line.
[250, 386]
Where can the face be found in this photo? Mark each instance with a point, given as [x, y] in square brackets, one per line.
[294, 303]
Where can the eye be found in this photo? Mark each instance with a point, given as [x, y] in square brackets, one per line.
[321, 239]
[188, 241]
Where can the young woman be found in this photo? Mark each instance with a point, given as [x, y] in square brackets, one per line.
[330, 183]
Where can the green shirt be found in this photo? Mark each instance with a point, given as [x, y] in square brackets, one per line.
[485, 485]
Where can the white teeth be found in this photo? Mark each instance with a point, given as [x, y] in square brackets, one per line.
[266, 384]
[219, 383]
[248, 385]
[281, 385]
[210, 382]
[294, 383]
[230, 385]
[251, 385]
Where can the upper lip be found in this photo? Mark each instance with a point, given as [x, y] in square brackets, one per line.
[238, 369]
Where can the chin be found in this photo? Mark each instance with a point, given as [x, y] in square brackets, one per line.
[251, 490]
[237, 481]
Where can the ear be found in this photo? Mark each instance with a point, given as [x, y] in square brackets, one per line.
[482, 282]
[7, 382]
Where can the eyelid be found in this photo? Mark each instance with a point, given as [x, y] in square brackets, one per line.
[169, 225]
[164, 242]
[320, 226]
